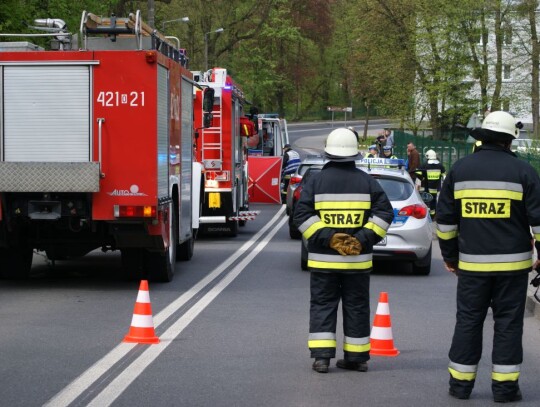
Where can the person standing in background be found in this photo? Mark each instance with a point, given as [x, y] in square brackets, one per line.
[291, 162]
[413, 159]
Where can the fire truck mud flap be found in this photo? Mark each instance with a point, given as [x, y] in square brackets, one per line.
[156, 266]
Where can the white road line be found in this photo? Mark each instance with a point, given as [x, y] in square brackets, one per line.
[131, 372]
[102, 366]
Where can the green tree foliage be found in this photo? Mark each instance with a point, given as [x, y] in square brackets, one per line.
[412, 60]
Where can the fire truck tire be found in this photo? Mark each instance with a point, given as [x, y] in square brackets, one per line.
[159, 266]
[184, 251]
[16, 262]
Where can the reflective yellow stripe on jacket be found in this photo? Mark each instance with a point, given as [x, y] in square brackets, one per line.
[342, 201]
[536, 231]
[447, 232]
[488, 189]
[378, 225]
[310, 226]
[338, 262]
[495, 262]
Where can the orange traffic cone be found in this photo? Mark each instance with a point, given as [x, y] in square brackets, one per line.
[382, 343]
[142, 324]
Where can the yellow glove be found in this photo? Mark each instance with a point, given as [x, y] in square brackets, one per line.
[345, 244]
[354, 246]
[338, 242]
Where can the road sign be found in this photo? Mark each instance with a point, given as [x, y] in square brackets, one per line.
[339, 109]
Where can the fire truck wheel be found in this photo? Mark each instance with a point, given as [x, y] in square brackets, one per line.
[159, 266]
[16, 262]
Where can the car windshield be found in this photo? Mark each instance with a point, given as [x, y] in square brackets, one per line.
[395, 189]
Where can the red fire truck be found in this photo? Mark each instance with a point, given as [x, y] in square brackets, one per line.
[222, 149]
[96, 148]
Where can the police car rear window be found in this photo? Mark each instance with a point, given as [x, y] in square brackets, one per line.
[395, 189]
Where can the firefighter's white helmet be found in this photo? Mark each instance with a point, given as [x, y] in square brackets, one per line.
[341, 143]
[431, 155]
[502, 122]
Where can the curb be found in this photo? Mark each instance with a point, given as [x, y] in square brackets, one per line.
[531, 304]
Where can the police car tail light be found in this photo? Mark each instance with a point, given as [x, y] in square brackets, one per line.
[416, 211]
[295, 179]
[297, 192]
[132, 211]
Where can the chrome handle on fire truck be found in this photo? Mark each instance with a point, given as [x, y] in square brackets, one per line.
[138, 24]
[100, 121]
[81, 31]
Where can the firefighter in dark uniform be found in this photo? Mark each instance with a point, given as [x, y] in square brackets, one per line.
[342, 212]
[488, 204]
[430, 174]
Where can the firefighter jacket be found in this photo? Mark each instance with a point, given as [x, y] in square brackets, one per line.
[431, 174]
[342, 198]
[291, 162]
[488, 204]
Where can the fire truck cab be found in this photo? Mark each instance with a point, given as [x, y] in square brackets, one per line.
[96, 148]
[222, 149]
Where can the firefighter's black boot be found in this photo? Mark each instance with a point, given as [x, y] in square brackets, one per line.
[458, 394]
[460, 389]
[505, 398]
[321, 365]
[345, 364]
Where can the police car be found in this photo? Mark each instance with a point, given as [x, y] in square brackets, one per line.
[409, 237]
[296, 178]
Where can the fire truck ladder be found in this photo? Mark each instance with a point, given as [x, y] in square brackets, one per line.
[212, 141]
[130, 26]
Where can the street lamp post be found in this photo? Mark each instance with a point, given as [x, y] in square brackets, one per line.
[219, 30]
[183, 19]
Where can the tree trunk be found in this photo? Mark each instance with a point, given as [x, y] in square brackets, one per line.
[366, 124]
[535, 59]
[496, 99]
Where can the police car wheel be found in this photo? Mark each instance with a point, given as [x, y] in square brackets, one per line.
[422, 267]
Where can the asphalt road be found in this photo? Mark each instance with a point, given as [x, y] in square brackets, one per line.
[233, 326]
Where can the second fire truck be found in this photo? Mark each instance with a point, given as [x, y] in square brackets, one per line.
[222, 150]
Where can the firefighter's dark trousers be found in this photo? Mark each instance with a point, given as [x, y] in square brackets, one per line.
[475, 294]
[433, 204]
[327, 289]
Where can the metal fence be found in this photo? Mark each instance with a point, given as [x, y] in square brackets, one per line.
[449, 152]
